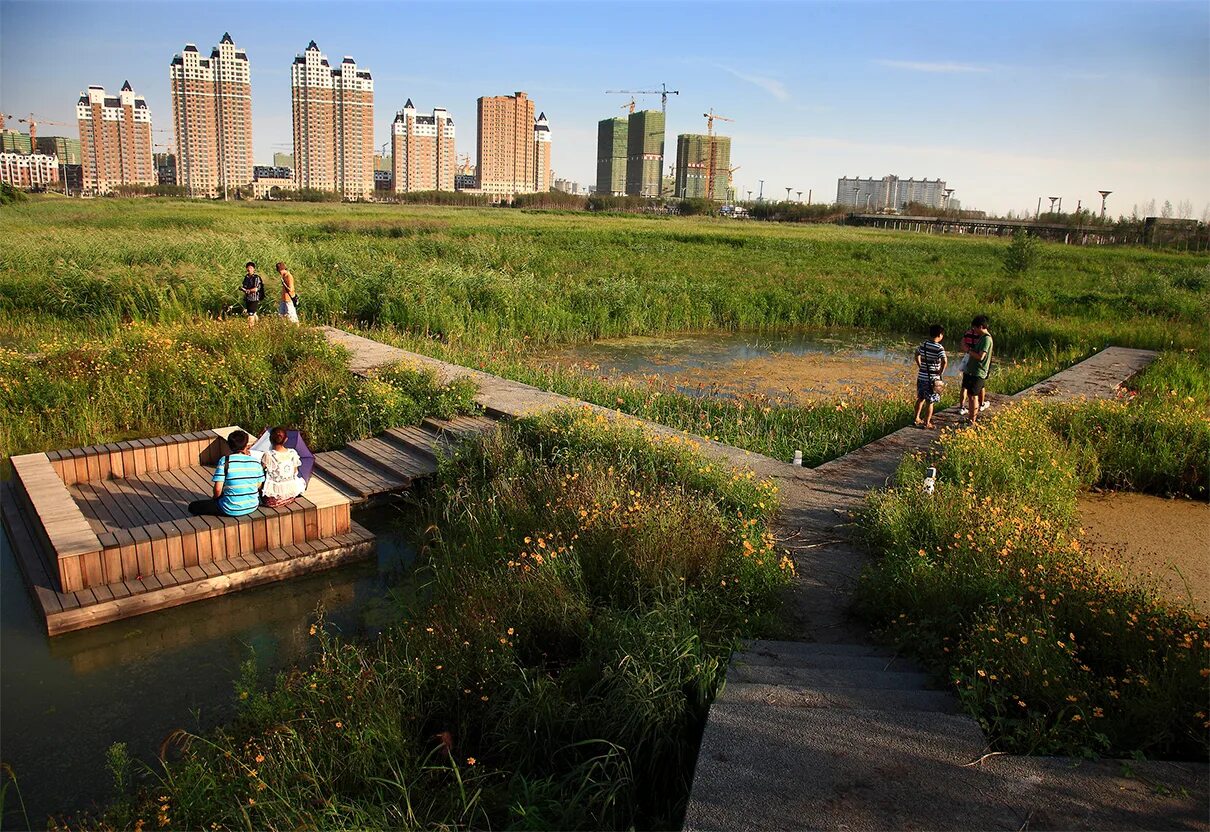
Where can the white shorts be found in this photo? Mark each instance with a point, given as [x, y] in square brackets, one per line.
[286, 309]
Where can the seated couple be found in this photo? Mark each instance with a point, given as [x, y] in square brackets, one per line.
[244, 479]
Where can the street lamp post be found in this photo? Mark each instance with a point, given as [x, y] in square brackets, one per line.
[787, 194]
[799, 196]
[760, 193]
[1103, 194]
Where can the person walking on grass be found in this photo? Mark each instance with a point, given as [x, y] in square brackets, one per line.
[254, 291]
[238, 479]
[970, 339]
[288, 306]
[931, 362]
[978, 366]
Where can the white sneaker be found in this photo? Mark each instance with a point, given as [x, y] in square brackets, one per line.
[963, 411]
[984, 406]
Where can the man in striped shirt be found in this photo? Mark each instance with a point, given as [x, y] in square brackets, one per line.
[931, 362]
[238, 479]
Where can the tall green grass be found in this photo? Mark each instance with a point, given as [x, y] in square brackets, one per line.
[585, 588]
[478, 274]
[987, 581]
[66, 391]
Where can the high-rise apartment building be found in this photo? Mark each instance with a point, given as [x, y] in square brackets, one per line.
[423, 157]
[644, 153]
[333, 125]
[66, 150]
[611, 156]
[542, 180]
[115, 139]
[13, 141]
[212, 118]
[507, 157]
[890, 193]
[693, 164]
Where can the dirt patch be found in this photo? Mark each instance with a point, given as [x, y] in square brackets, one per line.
[1153, 537]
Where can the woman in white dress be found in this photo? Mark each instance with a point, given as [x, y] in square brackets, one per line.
[282, 482]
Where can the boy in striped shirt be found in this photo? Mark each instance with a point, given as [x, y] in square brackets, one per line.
[238, 479]
[931, 362]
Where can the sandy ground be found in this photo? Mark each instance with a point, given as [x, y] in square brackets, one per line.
[1168, 540]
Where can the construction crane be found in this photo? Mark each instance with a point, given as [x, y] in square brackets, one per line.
[663, 92]
[629, 106]
[33, 122]
[712, 152]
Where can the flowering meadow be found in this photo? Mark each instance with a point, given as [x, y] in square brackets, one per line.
[584, 588]
[987, 582]
[65, 390]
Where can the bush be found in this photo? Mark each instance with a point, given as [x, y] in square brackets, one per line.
[1021, 254]
[987, 583]
[584, 589]
[10, 194]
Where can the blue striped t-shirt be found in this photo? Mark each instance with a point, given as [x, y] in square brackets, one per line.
[241, 476]
[932, 357]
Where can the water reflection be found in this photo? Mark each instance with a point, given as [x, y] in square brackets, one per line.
[64, 700]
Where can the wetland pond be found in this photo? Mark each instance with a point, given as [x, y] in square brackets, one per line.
[63, 701]
[793, 366]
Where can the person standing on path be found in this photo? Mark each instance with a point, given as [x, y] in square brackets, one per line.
[288, 306]
[931, 361]
[978, 365]
[254, 291]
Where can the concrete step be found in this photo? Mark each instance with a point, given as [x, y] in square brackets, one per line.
[825, 661]
[817, 648]
[778, 767]
[826, 678]
[794, 696]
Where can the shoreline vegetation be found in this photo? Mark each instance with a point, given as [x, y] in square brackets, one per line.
[584, 586]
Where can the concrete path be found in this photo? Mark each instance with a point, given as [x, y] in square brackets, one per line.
[830, 732]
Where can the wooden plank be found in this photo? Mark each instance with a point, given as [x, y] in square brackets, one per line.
[143, 553]
[28, 552]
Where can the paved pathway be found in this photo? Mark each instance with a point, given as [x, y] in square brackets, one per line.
[830, 732]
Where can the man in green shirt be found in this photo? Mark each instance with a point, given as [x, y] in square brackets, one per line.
[978, 365]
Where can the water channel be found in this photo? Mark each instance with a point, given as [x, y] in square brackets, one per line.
[63, 701]
[794, 365]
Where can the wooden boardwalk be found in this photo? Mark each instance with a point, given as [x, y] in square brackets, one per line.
[104, 533]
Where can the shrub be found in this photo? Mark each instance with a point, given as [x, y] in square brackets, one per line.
[1021, 254]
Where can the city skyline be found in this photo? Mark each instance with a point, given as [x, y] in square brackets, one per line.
[1026, 100]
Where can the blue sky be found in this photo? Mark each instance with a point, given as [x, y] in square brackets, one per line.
[1005, 101]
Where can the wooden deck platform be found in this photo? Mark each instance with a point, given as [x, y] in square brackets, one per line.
[104, 532]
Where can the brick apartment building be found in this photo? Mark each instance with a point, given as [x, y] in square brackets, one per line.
[28, 171]
[506, 146]
[422, 150]
[212, 118]
[542, 179]
[115, 139]
[333, 125]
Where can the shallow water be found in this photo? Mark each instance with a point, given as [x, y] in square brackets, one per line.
[1162, 541]
[63, 701]
[800, 365]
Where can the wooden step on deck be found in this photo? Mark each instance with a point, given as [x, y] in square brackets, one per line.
[102, 603]
[425, 442]
[359, 478]
[460, 427]
[393, 458]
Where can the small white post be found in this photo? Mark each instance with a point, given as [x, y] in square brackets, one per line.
[930, 480]
[798, 458]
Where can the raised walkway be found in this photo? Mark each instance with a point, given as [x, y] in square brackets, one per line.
[831, 732]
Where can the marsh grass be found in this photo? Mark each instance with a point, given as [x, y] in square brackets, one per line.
[585, 587]
[64, 390]
[986, 580]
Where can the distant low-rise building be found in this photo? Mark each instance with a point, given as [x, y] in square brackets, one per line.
[384, 180]
[268, 181]
[890, 193]
[29, 171]
[165, 168]
[568, 187]
[13, 141]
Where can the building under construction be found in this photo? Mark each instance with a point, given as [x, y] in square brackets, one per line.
[644, 153]
[611, 156]
[693, 162]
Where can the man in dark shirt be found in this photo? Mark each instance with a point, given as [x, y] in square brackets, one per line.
[254, 291]
[978, 366]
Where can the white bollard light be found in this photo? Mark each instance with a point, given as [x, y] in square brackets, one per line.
[798, 458]
[930, 480]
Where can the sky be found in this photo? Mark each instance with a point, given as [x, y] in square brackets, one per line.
[1006, 102]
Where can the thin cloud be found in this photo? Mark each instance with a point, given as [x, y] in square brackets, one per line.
[927, 66]
[772, 86]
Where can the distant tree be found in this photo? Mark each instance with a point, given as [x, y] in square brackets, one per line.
[1022, 253]
[1166, 211]
[1206, 214]
[1149, 208]
[1184, 209]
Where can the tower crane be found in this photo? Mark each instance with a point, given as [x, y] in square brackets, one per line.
[33, 122]
[712, 153]
[630, 105]
[663, 92]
